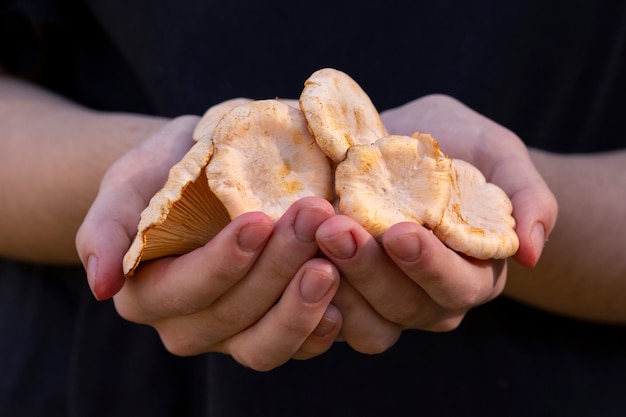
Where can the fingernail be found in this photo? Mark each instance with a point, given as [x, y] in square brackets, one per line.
[314, 286]
[92, 270]
[340, 245]
[405, 247]
[325, 326]
[538, 236]
[306, 223]
[252, 236]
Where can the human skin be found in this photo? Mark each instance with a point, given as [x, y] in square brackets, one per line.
[582, 270]
[53, 154]
[237, 305]
[432, 291]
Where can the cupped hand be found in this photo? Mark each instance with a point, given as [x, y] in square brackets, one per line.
[501, 156]
[410, 279]
[256, 291]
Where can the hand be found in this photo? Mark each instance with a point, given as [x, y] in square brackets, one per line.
[496, 151]
[255, 291]
[413, 281]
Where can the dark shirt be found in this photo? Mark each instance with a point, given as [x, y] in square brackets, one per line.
[553, 72]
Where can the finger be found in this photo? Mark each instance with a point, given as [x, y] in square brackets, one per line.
[291, 244]
[534, 206]
[186, 284]
[404, 295]
[289, 326]
[363, 328]
[322, 338]
[110, 225]
[364, 263]
[496, 151]
[455, 283]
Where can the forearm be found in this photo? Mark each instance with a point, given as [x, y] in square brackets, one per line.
[582, 272]
[53, 154]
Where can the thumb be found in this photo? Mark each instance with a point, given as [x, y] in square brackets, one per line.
[534, 207]
[101, 247]
[127, 187]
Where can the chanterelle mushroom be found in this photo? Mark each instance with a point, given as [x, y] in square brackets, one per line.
[339, 113]
[477, 220]
[259, 157]
[264, 155]
[395, 179]
[183, 215]
[265, 159]
[213, 115]
[402, 178]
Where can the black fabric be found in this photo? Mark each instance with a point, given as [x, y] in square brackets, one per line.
[551, 71]
[505, 360]
[64, 354]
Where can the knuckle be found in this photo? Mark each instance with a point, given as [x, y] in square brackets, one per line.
[468, 297]
[127, 310]
[177, 305]
[404, 315]
[257, 360]
[231, 316]
[178, 344]
[375, 343]
[446, 325]
[185, 338]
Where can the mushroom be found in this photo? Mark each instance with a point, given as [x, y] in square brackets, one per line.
[213, 115]
[408, 178]
[477, 220]
[259, 157]
[263, 155]
[183, 215]
[395, 179]
[265, 159]
[339, 113]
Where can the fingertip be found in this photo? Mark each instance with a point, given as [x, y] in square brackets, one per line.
[407, 241]
[330, 324]
[316, 284]
[530, 248]
[91, 268]
[309, 216]
[535, 212]
[254, 234]
[104, 283]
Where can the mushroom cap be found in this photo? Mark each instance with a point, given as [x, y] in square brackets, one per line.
[265, 159]
[339, 113]
[477, 220]
[182, 216]
[408, 178]
[395, 179]
[211, 117]
[264, 155]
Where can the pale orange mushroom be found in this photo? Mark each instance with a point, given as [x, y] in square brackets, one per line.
[395, 179]
[477, 220]
[263, 155]
[339, 113]
[403, 178]
[182, 216]
[206, 125]
[258, 157]
[265, 159]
